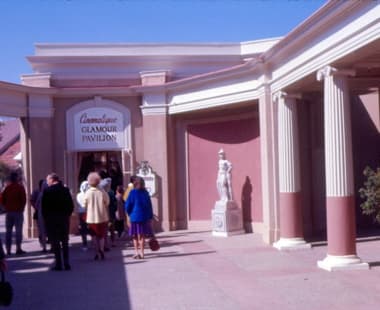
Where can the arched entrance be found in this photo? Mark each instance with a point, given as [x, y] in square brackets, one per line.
[98, 139]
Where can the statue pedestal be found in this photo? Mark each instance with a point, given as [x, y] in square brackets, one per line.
[227, 219]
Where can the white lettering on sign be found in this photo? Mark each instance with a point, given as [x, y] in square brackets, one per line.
[98, 128]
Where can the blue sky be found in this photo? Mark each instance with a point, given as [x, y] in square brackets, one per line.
[25, 22]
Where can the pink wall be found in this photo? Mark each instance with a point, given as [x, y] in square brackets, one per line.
[241, 141]
[366, 144]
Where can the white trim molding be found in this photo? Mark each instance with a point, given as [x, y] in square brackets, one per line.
[154, 104]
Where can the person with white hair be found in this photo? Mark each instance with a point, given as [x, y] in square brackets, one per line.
[105, 184]
[96, 203]
[81, 211]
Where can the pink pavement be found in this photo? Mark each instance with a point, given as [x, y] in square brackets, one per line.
[194, 270]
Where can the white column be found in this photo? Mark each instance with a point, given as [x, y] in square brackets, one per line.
[291, 221]
[340, 200]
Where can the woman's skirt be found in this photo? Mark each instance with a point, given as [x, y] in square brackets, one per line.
[140, 228]
[98, 230]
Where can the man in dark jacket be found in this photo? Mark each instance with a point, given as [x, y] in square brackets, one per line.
[14, 200]
[57, 206]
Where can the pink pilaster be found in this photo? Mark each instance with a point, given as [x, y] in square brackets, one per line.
[156, 146]
[340, 207]
[291, 223]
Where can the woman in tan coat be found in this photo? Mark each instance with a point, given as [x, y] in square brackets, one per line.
[96, 203]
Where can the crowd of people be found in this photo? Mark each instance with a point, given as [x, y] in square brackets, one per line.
[104, 213]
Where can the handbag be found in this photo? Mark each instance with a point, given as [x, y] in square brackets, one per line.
[153, 244]
[6, 291]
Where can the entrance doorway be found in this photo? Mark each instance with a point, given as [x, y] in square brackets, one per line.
[106, 163]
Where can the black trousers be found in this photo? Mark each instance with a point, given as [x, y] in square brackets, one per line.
[58, 233]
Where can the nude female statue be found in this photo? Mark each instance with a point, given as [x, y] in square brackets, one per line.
[223, 181]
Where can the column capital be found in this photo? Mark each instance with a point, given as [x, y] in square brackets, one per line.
[156, 77]
[284, 95]
[36, 79]
[330, 71]
[154, 104]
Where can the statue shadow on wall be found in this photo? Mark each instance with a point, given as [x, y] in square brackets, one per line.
[246, 204]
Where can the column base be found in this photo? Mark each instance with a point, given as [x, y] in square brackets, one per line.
[227, 233]
[291, 244]
[344, 262]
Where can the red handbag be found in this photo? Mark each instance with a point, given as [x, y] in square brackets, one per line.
[153, 244]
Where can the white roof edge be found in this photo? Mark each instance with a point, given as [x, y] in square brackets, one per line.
[257, 46]
[150, 49]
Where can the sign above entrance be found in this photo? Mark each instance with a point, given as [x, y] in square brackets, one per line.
[98, 128]
[98, 125]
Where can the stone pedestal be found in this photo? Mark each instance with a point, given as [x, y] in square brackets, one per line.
[227, 219]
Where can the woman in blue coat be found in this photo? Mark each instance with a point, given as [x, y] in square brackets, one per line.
[139, 208]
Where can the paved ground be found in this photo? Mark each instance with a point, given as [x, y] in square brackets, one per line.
[194, 270]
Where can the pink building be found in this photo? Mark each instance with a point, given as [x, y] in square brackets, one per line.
[298, 117]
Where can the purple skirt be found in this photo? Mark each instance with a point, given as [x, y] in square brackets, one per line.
[140, 228]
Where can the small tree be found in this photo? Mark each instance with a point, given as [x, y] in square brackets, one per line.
[370, 193]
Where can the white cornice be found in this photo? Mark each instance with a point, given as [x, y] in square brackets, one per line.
[158, 109]
[12, 102]
[215, 96]
[25, 89]
[154, 49]
[356, 31]
[213, 102]
[249, 48]
[313, 26]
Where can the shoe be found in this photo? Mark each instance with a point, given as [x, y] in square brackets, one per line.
[106, 249]
[96, 257]
[102, 255]
[44, 251]
[20, 252]
[67, 267]
[56, 268]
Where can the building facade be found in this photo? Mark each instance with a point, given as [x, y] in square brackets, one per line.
[297, 116]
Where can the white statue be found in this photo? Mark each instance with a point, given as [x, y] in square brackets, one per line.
[223, 181]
